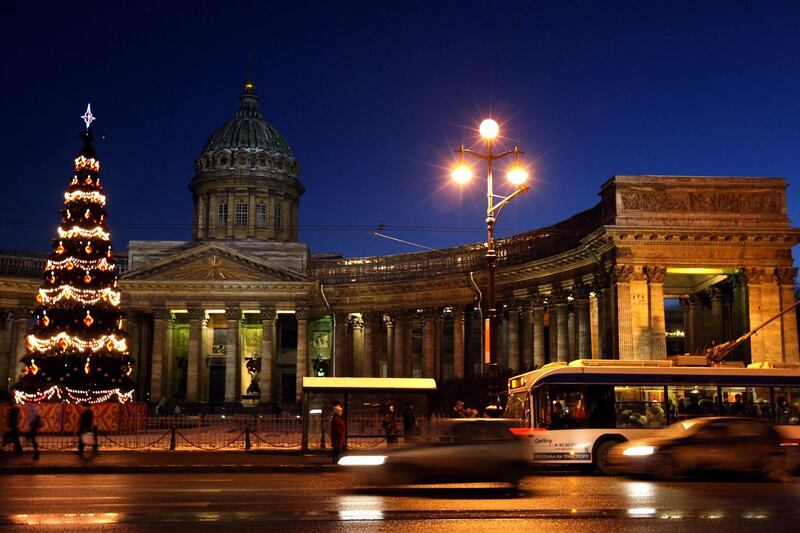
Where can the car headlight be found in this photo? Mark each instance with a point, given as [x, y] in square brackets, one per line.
[362, 460]
[639, 450]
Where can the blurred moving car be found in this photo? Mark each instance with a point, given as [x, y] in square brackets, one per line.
[452, 451]
[727, 444]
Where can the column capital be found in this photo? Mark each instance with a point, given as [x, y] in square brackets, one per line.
[786, 275]
[355, 321]
[622, 273]
[196, 313]
[233, 313]
[160, 313]
[753, 275]
[401, 315]
[655, 274]
[268, 313]
[302, 313]
[715, 293]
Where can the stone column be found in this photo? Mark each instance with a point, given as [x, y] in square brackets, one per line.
[5, 349]
[231, 216]
[458, 342]
[595, 326]
[715, 328]
[160, 316]
[389, 343]
[357, 345]
[370, 337]
[572, 334]
[251, 213]
[765, 303]
[500, 337]
[401, 322]
[302, 351]
[562, 331]
[513, 338]
[693, 337]
[622, 288]
[408, 359]
[658, 326]
[428, 370]
[437, 344]
[196, 316]
[785, 278]
[232, 360]
[341, 355]
[267, 353]
[526, 355]
[583, 325]
[539, 359]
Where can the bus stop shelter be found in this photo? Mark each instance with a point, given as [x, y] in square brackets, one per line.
[365, 401]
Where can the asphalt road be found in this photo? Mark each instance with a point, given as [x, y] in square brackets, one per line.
[329, 502]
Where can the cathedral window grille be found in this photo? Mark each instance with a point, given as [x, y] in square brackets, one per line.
[222, 215]
[261, 215]
[241, 214]
[277, 217]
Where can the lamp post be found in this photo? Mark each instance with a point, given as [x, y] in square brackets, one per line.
[517, 175]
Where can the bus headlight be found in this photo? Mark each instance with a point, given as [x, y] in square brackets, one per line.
[639, 450]
[362, 460]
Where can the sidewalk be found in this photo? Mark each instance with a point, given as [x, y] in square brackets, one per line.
[164, 462]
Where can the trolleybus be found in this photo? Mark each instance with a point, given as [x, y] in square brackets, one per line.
[573, 413]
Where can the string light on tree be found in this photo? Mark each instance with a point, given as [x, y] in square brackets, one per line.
[76, 349]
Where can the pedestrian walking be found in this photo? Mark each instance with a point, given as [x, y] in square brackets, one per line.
[34, 423]
[338, 432]
[390, 424]
[11, 436]
[87, 431]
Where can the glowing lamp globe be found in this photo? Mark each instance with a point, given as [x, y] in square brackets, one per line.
[489, 129]
[462, 174]
[517, 175]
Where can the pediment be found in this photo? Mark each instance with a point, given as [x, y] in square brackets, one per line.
[213, 262]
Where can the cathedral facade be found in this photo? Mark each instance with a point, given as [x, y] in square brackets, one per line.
[238, 315]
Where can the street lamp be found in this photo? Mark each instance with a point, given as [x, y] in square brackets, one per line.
[462, 173]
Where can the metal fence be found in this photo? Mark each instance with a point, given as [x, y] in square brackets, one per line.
[232, 432]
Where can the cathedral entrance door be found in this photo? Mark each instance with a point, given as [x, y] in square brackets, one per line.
[216, 385]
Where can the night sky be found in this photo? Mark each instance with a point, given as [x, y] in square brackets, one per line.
[374, 96]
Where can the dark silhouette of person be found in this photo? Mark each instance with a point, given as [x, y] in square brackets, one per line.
[338, 432]
[737, 407]
[410, 422]
[11, 436]
[34, 423]
[87, 430]
[390, 425]
[558, 419]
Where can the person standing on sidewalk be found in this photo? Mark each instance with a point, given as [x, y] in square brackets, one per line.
[11, 436]
[87, 431]
[34, 423]
[390, 425]
[338, 431]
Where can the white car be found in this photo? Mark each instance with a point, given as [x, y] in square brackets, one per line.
[464, 450]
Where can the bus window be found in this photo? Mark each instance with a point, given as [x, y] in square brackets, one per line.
[518, 408]
[600, 404]
[561, 406]
[787, 405]
[639, 407]
[687, 401]
[747, 401]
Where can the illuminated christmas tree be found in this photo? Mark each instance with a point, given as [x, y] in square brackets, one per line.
[76, 350]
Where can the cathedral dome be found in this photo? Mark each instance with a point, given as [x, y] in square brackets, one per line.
[246, 184]
[248, 130]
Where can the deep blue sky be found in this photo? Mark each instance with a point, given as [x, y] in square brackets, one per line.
[373, 96]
